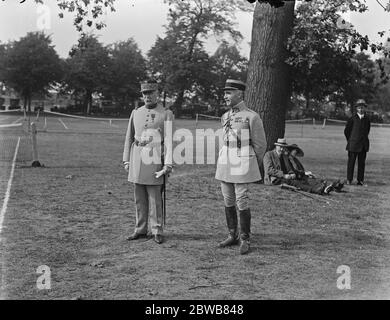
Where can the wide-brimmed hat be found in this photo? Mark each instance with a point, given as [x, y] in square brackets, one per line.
[232, 84]
[294, 146]
[150, 85]
[360, 102]
[281, 142]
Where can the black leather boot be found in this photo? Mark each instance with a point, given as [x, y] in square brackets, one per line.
[232, 223]
[245, 226]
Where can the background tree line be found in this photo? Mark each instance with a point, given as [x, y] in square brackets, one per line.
[308, 52]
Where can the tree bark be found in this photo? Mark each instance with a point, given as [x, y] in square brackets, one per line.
[269, 82]
[307, 98]
[29, 102]
[178, 103]
[25, 98]
[164, 99]
[87, 101]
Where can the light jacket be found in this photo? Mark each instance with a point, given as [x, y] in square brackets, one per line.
[148, 144]
[244, 145]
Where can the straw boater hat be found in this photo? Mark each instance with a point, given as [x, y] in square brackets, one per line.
[150, 85]
[281, 142]
[232, 84]
[295, 147]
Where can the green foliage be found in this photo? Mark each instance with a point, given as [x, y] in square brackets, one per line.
[30, 65]
[167, 63]
[113, 71]
[192, 21]
[227, 63]
[323, 49]
[126, 69]
[87, 12]
[179, 60]
[2, 57]
[87, 67]
[360, 82]
[382, 95]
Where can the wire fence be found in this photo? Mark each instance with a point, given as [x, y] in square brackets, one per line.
[9, 135]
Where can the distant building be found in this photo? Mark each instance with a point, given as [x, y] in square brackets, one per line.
[9, 99]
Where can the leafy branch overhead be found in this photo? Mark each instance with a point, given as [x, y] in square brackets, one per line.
[323, 48]
[87, 12]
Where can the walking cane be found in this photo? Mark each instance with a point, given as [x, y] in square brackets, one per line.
[158, 174]
[164, 201]
[304, 193]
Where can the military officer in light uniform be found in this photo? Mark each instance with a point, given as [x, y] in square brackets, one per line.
[239, 162]
[149, 133]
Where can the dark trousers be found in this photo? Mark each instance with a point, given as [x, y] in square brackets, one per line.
[361, 157]
[316, 186]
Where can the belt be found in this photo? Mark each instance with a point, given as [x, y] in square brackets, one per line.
[235, 144]
[143, 143]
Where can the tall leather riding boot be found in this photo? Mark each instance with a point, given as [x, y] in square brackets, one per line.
[245, 230]
[232, 223]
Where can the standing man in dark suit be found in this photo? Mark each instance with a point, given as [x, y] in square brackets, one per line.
[356, 132]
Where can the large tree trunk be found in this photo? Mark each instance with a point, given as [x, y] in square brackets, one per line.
[165, 99]
[88, 101]
[29, 102]
[178, 103]
[268, 83]
[25, 99]
[307, 98]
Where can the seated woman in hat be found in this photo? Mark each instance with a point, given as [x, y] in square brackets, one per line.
[293, 152]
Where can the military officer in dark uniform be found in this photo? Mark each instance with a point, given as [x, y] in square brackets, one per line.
[356, 132]
[149, 133]
[239, 162]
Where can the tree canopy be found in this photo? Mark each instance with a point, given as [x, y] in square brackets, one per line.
[30, 65]
[87, 68]
[126, 69]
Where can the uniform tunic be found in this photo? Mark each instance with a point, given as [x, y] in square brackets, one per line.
[244, 146]
[146, 131]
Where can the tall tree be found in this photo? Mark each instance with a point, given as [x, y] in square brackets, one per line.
[31, 66]
[165, 64]
[269, 79]
[362, 82]
[2, 57]
[227, 63]
[87, 68]
[127, 67]
[190, 23]
[320, 50]
[270, 107]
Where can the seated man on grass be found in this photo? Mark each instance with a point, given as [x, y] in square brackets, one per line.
[278, 170]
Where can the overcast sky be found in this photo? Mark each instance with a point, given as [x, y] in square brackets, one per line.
[142, 20]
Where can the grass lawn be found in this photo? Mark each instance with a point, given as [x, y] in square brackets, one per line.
[74, 214]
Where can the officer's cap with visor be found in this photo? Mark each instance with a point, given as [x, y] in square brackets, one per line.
[149, 86]
[232, 84]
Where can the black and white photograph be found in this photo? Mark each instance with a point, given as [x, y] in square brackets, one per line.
[195, 156]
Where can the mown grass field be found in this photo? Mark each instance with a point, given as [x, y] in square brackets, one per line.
[74, 214]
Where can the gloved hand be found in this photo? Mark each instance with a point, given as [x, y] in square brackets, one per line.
[165, 170]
